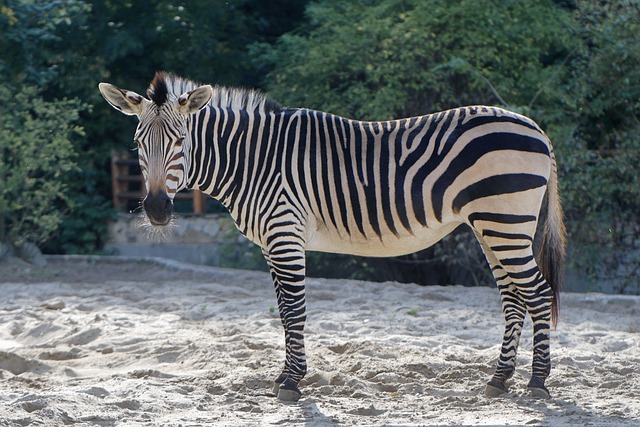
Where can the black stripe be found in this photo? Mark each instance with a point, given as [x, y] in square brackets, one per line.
[196, 143]
[223, 143]
[261, 169]
[251, 151]
[237, 144]
[324, 167]
[500, 278]
[351, 166]
[517, 261]
[313, 162]
[497, 185]
[420, 147]
[481, 120]
[504, 248]
[205, 176]
[293, 125]
[511, 236]
[384, 179]
[362, 141]
[336, 145]
[446, 127]
[501, 218]
[370, 189]
[455, 131]
[400, 178]
[417, 184]
[305, 128]
[524, 274]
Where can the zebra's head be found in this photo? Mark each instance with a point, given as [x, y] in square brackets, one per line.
[160, 136]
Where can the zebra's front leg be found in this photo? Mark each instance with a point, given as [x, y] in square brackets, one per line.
[287, 265]
[514, 311]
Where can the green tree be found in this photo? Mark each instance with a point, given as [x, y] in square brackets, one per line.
[31, 39]
[36, 157]
[39, 132]
[601, 150]
[381, 59]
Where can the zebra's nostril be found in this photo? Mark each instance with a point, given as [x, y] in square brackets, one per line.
[146, 204]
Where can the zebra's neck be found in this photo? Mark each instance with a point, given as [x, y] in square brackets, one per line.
[217, 133]
[223, 146]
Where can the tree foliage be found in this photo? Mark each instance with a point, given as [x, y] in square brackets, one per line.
[572, 66]
[36, 157]
[394, 58]
[601, 147]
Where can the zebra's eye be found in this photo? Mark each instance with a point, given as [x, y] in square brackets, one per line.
[179, 141]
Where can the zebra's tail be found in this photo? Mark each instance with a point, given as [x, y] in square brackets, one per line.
[551, 254]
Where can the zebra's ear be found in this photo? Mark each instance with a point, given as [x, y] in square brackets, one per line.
[129, 103]
[193, 101]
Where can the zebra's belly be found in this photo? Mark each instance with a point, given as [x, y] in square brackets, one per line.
[322, 240]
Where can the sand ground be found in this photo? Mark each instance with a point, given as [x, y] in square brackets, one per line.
[119, 342]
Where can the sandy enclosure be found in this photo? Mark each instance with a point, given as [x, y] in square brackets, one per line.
[115, 342]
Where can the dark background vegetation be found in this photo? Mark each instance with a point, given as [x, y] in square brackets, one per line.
[573, 66]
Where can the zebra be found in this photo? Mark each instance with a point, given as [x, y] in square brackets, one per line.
[297, 180]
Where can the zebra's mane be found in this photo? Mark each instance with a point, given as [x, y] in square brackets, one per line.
[166, 87]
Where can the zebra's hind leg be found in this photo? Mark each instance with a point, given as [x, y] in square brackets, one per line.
[523, 290]
[287, 267]
[514, 312]
[537, 295]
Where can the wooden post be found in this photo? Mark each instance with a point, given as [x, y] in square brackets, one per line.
[198, 202]
[115, 182]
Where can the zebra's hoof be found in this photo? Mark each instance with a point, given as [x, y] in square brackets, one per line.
[277, 382]
[495, 388]
[537, 389]
[288, 391]
[276, 388]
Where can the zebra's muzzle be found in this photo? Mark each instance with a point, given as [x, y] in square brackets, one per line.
[158, 207]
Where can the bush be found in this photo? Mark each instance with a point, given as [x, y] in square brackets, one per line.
[384, 59]
[36, 155]
[601, 193]
[600, 154]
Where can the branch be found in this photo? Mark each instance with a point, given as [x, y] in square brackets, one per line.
[493, 89]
